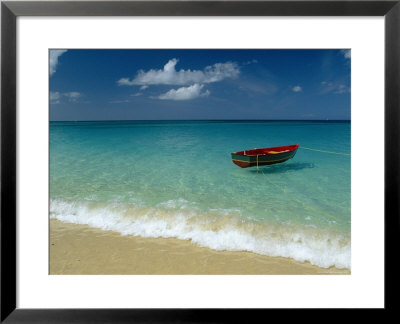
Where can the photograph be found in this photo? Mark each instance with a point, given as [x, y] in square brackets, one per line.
[199, 161]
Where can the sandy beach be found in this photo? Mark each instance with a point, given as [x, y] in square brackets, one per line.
[80, 249]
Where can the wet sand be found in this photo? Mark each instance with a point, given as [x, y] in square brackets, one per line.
[80, 249]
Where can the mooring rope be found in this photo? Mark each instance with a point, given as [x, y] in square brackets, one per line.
[311, 149]
[294, 198]
[257, 162]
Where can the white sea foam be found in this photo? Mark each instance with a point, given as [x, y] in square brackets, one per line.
[218, 229]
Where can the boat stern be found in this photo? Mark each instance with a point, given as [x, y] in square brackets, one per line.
[241, 160]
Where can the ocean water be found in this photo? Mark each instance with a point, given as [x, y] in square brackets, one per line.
[177, 179]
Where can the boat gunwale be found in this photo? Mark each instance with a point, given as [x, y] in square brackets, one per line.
[294, 147]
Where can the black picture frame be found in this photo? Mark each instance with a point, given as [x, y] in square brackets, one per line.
[10, 10]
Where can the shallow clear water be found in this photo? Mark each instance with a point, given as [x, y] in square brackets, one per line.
[177, 179]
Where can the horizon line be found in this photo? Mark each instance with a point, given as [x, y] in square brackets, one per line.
[261, 120]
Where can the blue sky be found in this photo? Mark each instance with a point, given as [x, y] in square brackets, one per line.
[199, 84]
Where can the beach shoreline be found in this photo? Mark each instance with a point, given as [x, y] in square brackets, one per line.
[79, 249]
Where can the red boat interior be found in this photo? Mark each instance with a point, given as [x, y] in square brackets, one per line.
[269, 150]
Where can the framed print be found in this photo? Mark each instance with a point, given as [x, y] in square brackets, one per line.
[180, 155]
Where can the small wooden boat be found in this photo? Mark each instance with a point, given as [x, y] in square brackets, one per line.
[264, 156]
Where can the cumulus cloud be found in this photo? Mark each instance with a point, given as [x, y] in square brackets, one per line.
[124, 81]
[170, 76]
[54, 55]
[297, 88]
[185, 93]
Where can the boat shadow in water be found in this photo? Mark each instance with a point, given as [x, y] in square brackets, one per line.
[282, 168]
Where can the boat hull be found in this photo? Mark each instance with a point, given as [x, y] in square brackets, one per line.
[245, 161]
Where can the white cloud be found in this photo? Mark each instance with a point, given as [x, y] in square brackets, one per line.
[336, 88]
[137, 94]
[54, 55]
[254, 61]
[341, 88]
[346, 53]
[297, 88]
[185, 93]
[124, 81]
[170, 76]
[73, 96]
[55, 97]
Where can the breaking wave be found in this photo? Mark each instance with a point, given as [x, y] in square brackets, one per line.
[218, 229]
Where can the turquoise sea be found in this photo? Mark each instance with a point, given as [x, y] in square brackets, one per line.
[177, 179]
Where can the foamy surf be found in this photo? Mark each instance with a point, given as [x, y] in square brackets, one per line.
[218, 229]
